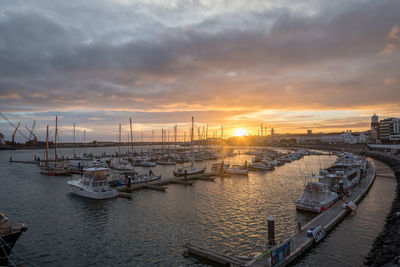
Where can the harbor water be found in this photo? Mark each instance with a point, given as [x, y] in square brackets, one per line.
[228, 215]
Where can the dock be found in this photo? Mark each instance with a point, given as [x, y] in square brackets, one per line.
[160, 185]
[299, 241]
[297, 244]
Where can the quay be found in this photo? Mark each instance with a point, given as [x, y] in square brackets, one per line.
[296, 244]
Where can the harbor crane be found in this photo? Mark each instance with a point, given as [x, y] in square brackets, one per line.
[15, 129]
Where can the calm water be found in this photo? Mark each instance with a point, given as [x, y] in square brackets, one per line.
[229, 215]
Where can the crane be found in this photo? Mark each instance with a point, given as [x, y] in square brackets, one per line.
[34, 136]
[15, 129]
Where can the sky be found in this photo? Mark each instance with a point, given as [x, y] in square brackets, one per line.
[289, 65]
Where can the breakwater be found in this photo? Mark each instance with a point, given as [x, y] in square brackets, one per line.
[386, 247]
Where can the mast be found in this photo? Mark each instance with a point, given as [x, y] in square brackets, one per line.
[73, 147]
[175, 130]
[142, 142]
[84, 141]
[55, 144]
[47, 145]
[119, 141]
[162, 141]
[191, 144]
[130, 123]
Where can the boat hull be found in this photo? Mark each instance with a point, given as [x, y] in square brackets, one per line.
[93, 195]
[8, 241]
[56, 172]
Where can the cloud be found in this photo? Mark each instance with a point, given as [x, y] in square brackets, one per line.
[198, 57]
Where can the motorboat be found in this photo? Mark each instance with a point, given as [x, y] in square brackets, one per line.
[316, 197]
[188, 171]
[260, 167]
[93, 184]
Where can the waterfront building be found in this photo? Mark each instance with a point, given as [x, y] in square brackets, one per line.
[389, 130]
[325, 138]
[374, 128]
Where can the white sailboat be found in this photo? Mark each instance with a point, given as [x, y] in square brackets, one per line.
[190, 170]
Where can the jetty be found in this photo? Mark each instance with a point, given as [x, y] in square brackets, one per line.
[297, 244]
[159, 185]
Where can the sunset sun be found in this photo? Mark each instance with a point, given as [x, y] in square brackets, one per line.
[240, 132]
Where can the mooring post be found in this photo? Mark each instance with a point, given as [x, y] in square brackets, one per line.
[221, 170]
[271, 231]
[10, 159]
[35, 158]
[185, 172]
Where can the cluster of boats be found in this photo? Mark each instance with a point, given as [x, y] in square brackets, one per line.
[268, 159]
[321, 191]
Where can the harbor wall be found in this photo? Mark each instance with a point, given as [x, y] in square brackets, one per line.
[386, 247]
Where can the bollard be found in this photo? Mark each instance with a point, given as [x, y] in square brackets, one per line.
[271, 231]
[185, 174]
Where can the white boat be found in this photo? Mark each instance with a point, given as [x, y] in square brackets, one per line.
[316, 197]
[145, 164]
[259, 166]
[93, 184]
[119, 164]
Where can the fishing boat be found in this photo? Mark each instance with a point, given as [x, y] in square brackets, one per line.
[316, 197]
[9, 234]
[93, 184]
[345, 174]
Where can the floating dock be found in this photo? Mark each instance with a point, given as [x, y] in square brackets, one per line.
[159, 185]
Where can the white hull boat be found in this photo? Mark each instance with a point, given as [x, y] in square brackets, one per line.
[93, 184]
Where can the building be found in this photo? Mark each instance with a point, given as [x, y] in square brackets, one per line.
[323, 138]
[374, 127]
[389, 130]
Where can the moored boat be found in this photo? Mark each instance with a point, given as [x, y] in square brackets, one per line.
[93, 184]
[316, 198]
[9, 234]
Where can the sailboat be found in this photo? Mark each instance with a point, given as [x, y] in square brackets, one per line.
[120, 164]
[53, 169]
[190, 170]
